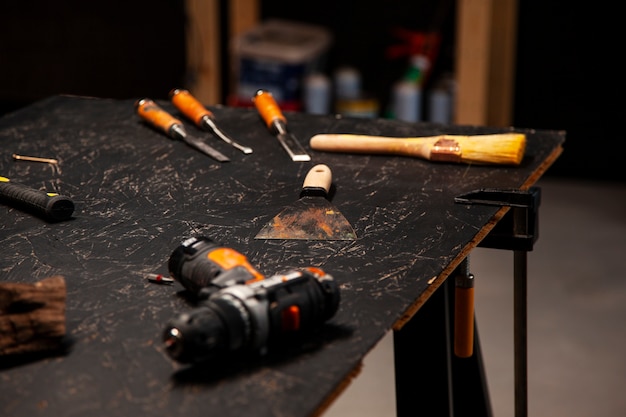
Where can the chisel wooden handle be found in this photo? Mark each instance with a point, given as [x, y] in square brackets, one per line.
[268, 108]
[152, 113]
[50, 206]
[190, 106]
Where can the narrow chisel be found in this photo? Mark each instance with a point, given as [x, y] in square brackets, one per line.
[201, 116]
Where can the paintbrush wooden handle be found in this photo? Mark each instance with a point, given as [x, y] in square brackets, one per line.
[417, 147]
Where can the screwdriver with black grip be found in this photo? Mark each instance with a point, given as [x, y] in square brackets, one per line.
[195, 111]
[152, 113]
[50, 206]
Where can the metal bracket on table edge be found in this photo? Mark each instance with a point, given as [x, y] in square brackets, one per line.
[519, 228]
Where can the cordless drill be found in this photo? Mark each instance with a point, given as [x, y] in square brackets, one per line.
[241, 311]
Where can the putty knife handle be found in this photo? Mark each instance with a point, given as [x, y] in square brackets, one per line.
[318, 177]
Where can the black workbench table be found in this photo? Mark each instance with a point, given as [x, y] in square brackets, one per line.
[138, 194]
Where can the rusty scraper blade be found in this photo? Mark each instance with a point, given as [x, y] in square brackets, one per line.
[312, 217]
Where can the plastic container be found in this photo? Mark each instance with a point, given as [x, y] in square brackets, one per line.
[277, 56]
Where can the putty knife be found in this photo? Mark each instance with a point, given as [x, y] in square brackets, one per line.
[312, 217]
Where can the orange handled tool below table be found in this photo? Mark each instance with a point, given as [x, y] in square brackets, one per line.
[464, 313]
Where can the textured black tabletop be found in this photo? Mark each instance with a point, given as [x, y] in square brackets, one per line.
[138, 194]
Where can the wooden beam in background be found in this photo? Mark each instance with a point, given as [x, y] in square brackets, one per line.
[204, 43]
[485, 61]
[502, 63]
[203, 50]
[244, 15]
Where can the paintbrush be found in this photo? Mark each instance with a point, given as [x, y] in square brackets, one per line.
[498, 149]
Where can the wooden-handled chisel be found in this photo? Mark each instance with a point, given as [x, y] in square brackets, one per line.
[152, 113]
[204, 118]
[277, 123]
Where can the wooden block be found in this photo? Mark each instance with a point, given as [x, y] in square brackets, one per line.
[32, 316]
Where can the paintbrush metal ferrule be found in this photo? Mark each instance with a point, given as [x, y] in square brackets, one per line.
[446, 150]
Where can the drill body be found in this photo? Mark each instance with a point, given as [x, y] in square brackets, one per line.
[241, 312]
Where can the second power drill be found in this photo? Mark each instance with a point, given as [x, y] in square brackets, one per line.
[240, 310]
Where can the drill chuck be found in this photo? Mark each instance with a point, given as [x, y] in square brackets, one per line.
[252, 317]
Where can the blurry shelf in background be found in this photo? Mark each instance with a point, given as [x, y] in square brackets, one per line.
[196, 35]
[484, 60]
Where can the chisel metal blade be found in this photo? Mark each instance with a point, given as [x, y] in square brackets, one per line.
[293, 147]
[203, 147]
[223, 136]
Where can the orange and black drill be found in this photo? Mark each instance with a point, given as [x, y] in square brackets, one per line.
[241, 311]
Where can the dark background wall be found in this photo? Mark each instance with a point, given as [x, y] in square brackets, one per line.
[570, 77]
[116, 49]
[568, 74]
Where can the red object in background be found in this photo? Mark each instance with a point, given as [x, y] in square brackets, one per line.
[416, 43]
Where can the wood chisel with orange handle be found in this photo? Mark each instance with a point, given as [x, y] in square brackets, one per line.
[277, 123]
[204, 118]
[152, 113]
[50, 206]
